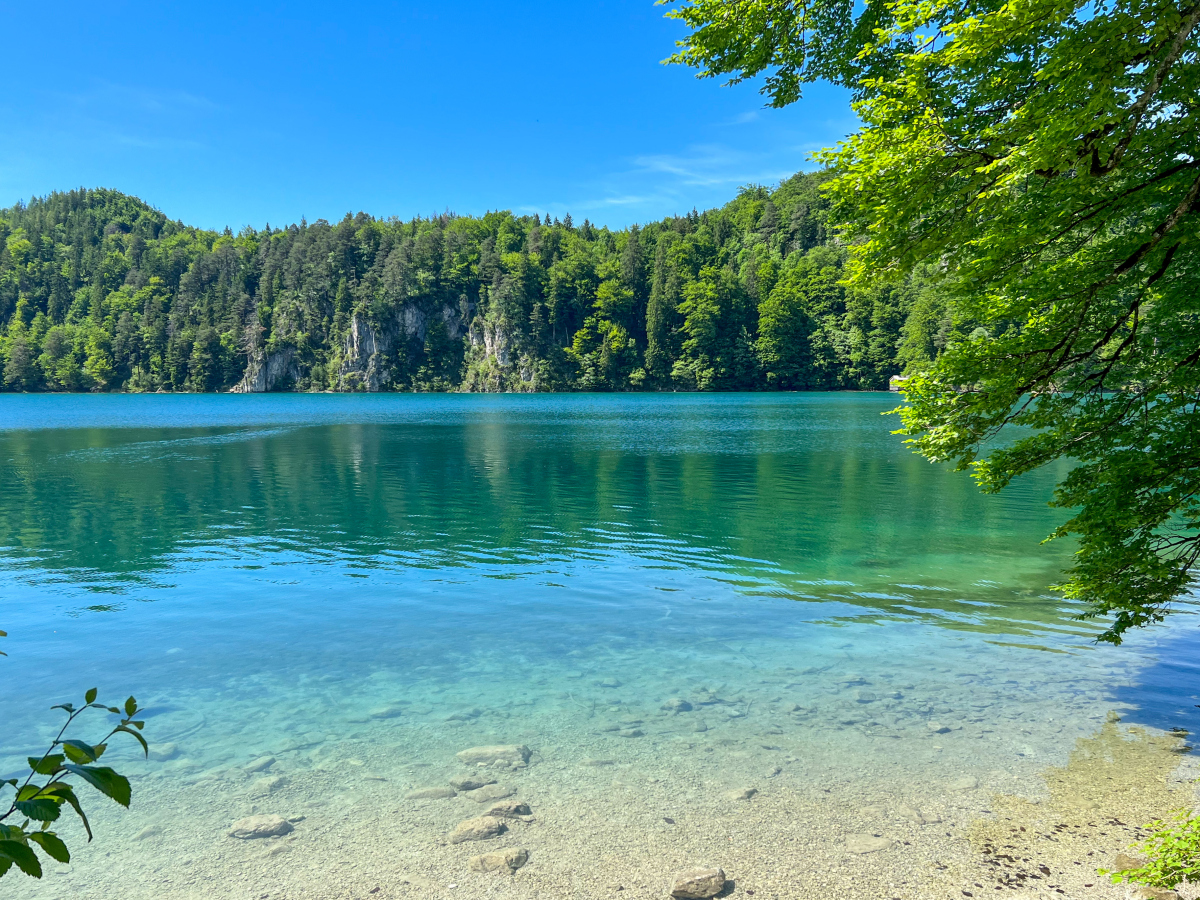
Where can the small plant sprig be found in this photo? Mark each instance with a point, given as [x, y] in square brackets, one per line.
[40, 802]
[1173, 851]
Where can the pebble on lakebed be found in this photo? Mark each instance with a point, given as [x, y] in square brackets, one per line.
[698, 883]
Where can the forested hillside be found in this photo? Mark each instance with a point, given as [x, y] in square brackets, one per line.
[100, 292]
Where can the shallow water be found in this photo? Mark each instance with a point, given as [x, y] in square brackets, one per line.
[361, 586]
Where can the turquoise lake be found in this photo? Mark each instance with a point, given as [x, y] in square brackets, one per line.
[671, 600]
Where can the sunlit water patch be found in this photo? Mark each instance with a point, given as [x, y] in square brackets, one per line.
[754, 631]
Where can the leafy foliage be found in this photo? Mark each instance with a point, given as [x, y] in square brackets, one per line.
[1173, 849]
[39, 798]
[100, 292]
[1033, 168]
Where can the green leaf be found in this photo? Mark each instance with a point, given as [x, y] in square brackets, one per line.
[90, 696]
[105, 780]
[67, 706]
[67, 792]
[141, 740]
[46, 766]
[41, 809]
[5, 865]
[130, 706]
[52, 844]
[20, 854]
[79, 752]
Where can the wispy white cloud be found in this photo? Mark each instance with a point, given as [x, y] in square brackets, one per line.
[108, 96]
[713, 164]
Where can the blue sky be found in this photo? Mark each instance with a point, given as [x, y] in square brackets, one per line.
[241, 114]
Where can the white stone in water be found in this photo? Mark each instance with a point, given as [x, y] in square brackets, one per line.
[260, 765]
[163, 752]
[937, 727]
[431, 793]
[478, 829]
[698, 884]
[500, 860]
[867, 843]
[966, 783]
[514, 754]
[677, 704]
[260, 827]
[743, 794]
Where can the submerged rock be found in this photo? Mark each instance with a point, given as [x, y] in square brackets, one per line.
[966, 783]
[743, 794]
[1123, 862]
[514, 755]
[431, 793]
[500, 860]
[489, 793]
[1149, 893]
[470, 784]
[698, 884]
[509, 809]
[920, 816]
[867, 843]
[478, 829]
[267, 785]
[677, 704]
[260, 827]
[390, 711]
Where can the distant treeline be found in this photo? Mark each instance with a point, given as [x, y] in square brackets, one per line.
[101, 292]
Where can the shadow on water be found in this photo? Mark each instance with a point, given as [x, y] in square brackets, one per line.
[1167, 692]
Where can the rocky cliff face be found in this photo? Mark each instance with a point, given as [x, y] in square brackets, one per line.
[268, 371]
[495, 340]
[364, 360]
[369, 353]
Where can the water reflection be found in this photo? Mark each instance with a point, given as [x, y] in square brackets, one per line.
[799, 497]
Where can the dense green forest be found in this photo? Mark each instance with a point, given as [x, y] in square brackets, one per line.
[101, 292]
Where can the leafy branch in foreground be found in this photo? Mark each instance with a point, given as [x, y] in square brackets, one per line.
[39, 798]
[1042, 159]
[1173, 849]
